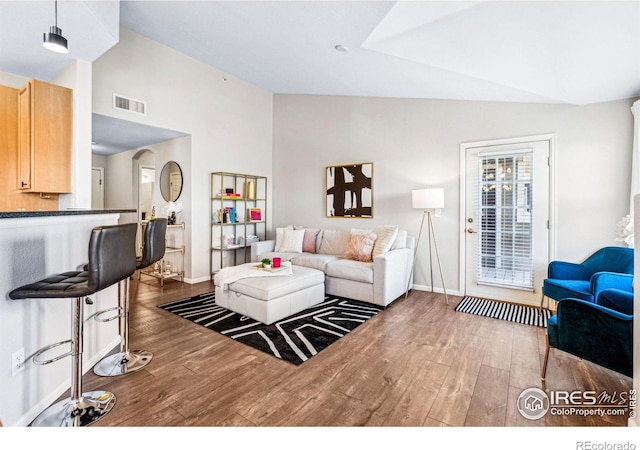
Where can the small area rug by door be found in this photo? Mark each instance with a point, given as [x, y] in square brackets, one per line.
[294, 339]
[527, 315]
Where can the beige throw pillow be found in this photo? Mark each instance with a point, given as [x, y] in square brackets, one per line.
[292, 241]
[360, 246]
[280, 237]
[334, 242]
[386, 236]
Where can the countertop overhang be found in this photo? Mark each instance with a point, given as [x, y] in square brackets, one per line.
[66, 212]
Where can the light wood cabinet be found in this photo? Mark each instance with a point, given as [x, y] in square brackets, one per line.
[12, 199]
[45, 126]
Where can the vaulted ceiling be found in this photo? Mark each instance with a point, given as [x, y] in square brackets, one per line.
[565, 52]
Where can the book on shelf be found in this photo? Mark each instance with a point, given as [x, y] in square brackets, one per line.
[228, 215]
[255, 214]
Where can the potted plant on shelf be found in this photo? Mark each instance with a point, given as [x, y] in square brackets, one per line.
[266, 263]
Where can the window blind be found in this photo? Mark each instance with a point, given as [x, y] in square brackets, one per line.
[505, 206]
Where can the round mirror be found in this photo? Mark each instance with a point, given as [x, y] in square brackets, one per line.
[171, 181]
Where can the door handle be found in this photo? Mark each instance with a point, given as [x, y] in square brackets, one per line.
[471, 231]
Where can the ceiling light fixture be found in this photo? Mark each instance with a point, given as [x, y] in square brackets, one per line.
[54, 40]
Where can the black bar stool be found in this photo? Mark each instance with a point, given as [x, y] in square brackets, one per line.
[112, 258]
[125, 360]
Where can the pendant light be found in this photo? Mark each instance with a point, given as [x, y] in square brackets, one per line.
[54, 40]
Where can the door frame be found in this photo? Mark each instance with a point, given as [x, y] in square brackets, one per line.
[551, 138]
[102, 181]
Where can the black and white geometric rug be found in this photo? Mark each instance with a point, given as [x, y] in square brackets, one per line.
[527, 315]
[294, 339]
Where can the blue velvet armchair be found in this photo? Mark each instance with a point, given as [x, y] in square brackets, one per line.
[600, 332]
[609, 267]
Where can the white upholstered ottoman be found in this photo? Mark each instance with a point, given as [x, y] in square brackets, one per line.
[269, 299]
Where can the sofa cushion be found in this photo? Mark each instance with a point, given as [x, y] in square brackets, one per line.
[314, 261]
[360, 246]
[351, 270]
[334, 242]
[386, 236]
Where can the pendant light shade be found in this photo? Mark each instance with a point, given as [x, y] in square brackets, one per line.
[54, 40]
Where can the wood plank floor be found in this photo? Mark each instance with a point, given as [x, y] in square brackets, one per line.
[418, 363]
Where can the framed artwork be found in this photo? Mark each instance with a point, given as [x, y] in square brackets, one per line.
[349, 190]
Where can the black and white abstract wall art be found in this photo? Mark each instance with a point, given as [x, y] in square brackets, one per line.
[350, 190]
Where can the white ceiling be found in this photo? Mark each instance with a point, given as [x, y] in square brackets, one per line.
[566, 52]
[571, 52]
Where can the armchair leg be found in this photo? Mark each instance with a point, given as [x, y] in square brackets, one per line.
[546, 359]
[541, 303]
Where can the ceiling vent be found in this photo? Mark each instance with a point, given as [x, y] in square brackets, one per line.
[129, 104]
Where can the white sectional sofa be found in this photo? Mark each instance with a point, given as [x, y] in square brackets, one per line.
[351, 268]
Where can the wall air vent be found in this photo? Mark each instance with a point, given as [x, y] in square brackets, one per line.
[129, 104]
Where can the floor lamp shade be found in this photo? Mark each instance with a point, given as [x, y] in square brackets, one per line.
[428, 198]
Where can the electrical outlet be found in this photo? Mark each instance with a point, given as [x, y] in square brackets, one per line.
[17, 362]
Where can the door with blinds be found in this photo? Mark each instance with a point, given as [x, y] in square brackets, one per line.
[506, 219]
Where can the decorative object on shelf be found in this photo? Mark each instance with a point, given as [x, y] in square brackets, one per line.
[246, 240]
[228, 240]
[255, 214]
[349, 190]
[266, 263]
[276, 262]
[250, 190]
[171, 210]
[428, 199]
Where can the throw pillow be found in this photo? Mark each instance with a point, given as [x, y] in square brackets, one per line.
[334, 242]
[280, 237]
[400, 241]
[386, 235]
[292, 241]
[309, 241]
[360, 246]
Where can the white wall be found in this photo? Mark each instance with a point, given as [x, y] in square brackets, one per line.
[77, 76]
[416, 143]
[229, 120]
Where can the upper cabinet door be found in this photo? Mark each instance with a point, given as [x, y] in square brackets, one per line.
[45, 142]
[24, 138]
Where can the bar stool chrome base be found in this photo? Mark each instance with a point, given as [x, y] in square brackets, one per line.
[121, 363]
[88, 409]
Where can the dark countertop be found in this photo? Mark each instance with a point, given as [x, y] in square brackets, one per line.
[68, 212]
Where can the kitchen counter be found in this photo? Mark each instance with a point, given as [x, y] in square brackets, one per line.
[35, 245]
[67, 212]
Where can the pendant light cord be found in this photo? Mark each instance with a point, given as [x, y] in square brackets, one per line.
[56, 10]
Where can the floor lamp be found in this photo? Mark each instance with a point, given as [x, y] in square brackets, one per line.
[428, 199]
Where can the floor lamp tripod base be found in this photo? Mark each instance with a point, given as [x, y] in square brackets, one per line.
[432, 237]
